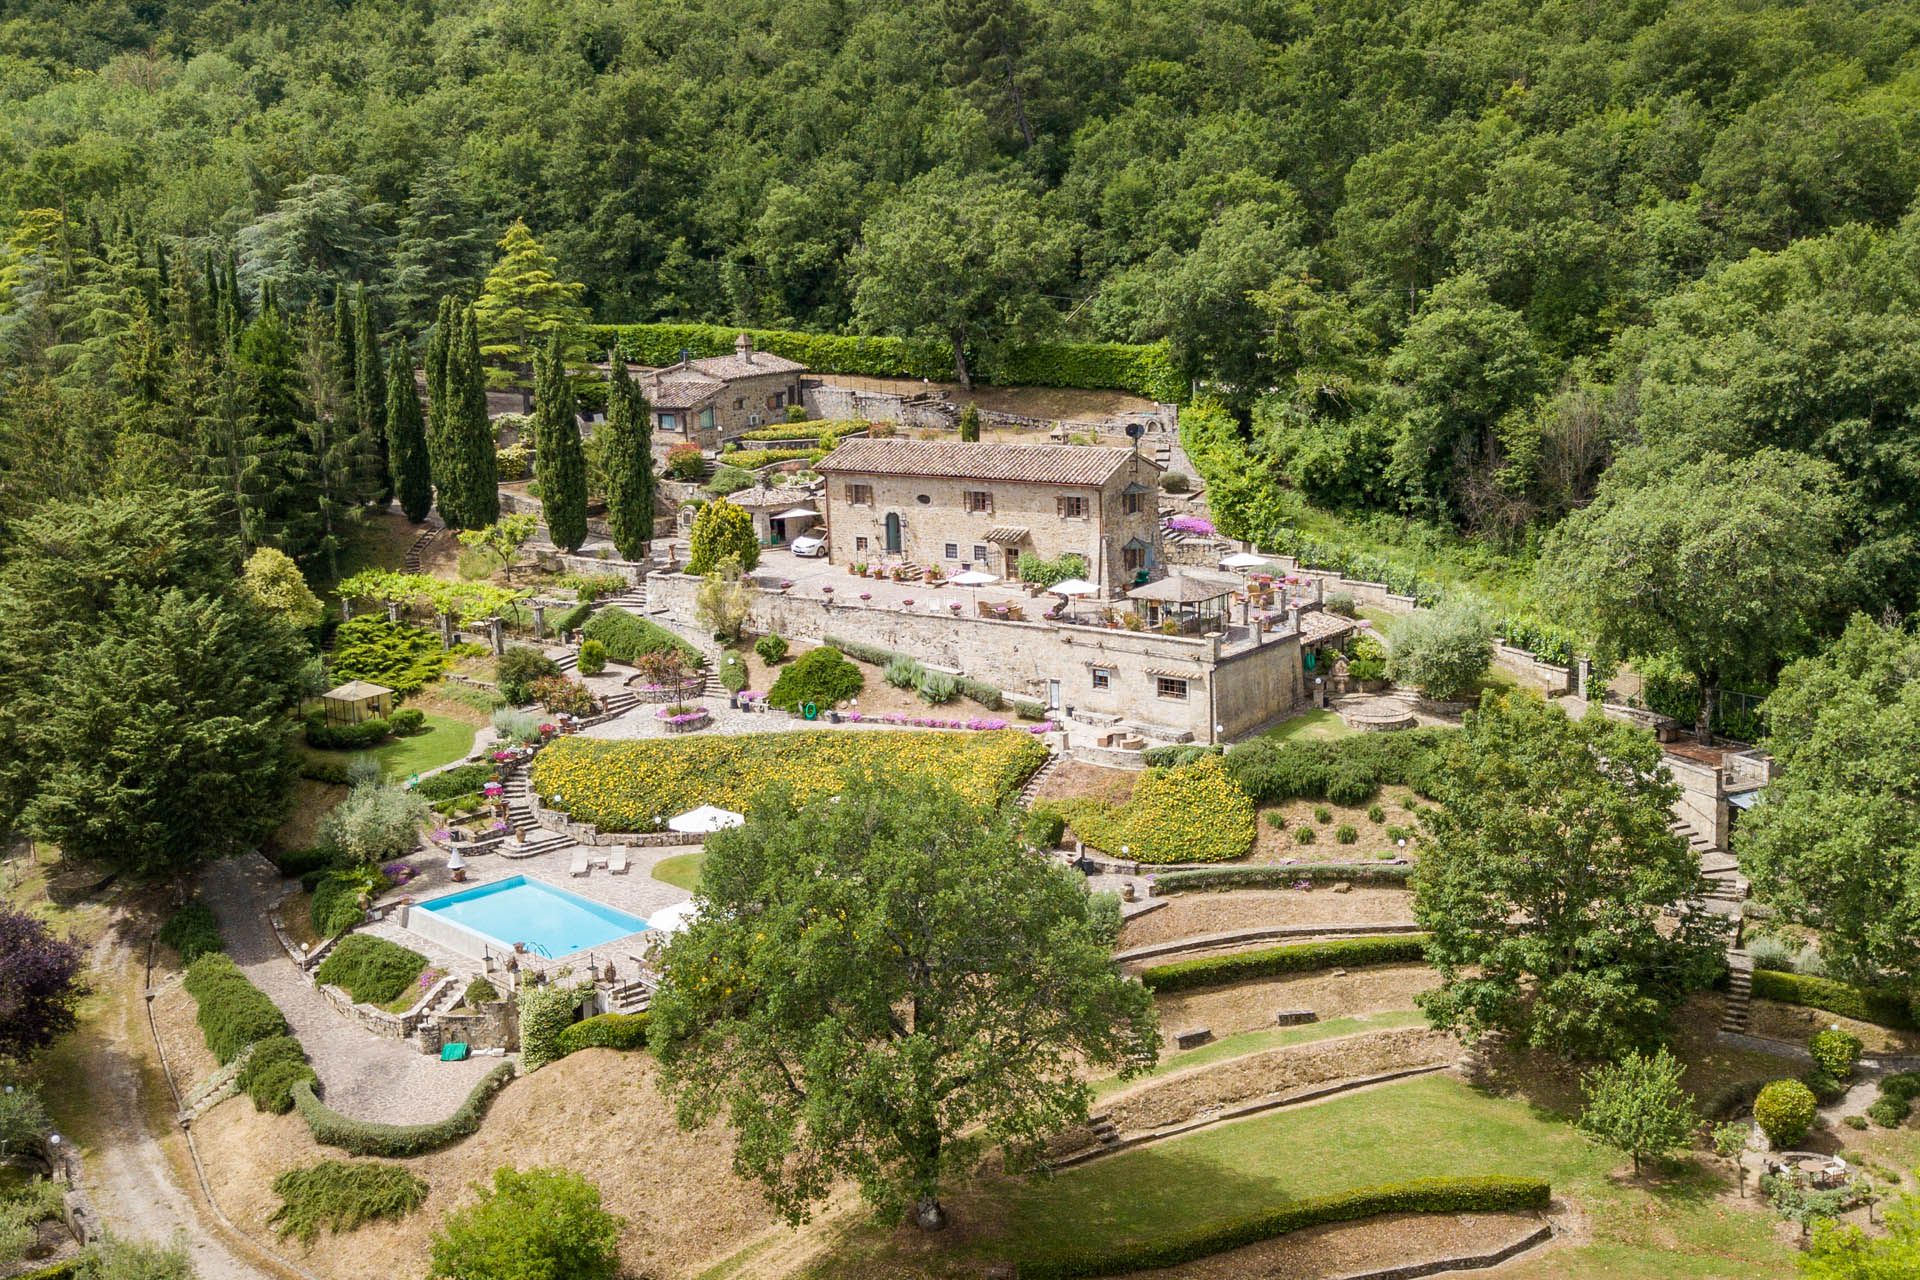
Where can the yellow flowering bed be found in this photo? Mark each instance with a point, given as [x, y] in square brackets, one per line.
[1190, 813]
[623, 786]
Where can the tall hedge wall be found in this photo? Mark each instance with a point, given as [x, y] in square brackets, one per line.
[398, 1141]
[1144, 370]
[1420, 1195]
[1883, 1006]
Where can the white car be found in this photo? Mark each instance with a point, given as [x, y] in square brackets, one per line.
[808, 546]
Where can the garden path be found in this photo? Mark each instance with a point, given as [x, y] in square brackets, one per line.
[361, 1074]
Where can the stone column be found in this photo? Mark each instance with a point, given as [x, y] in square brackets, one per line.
[497, 632]
[539, 622]
[393, 611]
[346, 610]
[446, 631]
[1585, 677]
[1319, 590]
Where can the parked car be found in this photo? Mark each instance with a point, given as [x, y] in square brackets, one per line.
[809, 546]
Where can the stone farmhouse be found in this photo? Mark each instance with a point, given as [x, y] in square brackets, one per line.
[981, 506]
[712, 400]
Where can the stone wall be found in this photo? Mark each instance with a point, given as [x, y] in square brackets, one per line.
[925, 410]
[940, 524]
[1241, 689]
[1703, 798]
[1521, 662]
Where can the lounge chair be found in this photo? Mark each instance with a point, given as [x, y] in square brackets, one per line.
[617, 860]
[580, 864]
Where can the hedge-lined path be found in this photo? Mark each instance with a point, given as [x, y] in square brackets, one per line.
[361, 1074]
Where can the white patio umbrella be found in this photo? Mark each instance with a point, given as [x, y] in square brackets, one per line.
[972, 578]
[705, 819]
[1073, 588]
[1243, 560]
[674, 918]
[799, 513]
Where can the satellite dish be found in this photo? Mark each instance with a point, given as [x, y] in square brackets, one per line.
[1135, 431]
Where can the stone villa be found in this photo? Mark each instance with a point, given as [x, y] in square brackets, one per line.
[981, 506]
[712, 400]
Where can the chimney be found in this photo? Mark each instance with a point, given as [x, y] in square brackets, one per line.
[743, 347]
[1293, 618]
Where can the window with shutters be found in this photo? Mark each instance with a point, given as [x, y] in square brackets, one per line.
[1072, 507]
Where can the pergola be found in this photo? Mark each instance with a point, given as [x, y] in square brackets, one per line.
[357, 700]
[1192, 600]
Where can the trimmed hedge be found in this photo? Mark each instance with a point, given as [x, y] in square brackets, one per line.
[988, 696]
[344, 737]
[1341, 770]
[820, 676]
[1147, 370]
[192, 932]
[233, 1013]
[1883, 1006]
[397, 1141]
[604, 1031]
[335, 906]
[1420, 1195]
[369, 969]
[274, 1066]
[1216, 879]
[451, 784]
[627, 636]
[1212, 971]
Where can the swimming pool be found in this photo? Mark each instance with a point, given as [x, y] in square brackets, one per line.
[548, 919]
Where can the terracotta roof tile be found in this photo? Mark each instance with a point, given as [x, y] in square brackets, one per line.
[1068, 464]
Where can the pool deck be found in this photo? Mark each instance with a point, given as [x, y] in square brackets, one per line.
[636, 893]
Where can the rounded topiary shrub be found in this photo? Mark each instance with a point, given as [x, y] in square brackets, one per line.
[1784, 1111]
[593, 658]
[820, 676]
[1835, 1052]
[772, 648]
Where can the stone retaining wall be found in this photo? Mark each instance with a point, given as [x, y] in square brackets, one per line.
[1188, 1095]
[588, 834]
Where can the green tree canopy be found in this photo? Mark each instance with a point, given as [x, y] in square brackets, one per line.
[407, 452]
[1835, 841]
[275, 583]
[523, 307]
[1543, 876]
[533, 1224]
[721, 533]
[959, 261]
[1636, 1105]
[877, 987]
[623, 448]
[1725, 563]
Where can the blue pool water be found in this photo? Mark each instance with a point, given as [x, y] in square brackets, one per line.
[549, 920]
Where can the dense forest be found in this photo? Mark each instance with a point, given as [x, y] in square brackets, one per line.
[1466, 264]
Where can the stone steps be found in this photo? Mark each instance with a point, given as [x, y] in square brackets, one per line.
[1032, 788]
[619, 702]
[1738, 1008]
[1104, 1131]
[416, 552]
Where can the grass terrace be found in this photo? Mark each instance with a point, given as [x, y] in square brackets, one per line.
[624, 786]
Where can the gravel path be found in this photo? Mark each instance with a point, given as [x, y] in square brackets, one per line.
[126, 1172]
[361, 1074]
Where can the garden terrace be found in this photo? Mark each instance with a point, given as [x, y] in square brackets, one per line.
[627, 785]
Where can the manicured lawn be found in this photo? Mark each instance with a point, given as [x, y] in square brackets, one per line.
[1256, 1041]
[1669, 1224]
[682, 871]
[441, 741]
[1309, 725]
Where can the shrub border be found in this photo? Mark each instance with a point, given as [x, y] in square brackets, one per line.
[1486, 1194]
[1216, 879]
[398, 1141]
[1882, 1006]
[1301, 957]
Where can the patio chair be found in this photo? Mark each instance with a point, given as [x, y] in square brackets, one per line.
[580, 863]
[617, 860]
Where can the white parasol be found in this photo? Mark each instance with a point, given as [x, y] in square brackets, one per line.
[705, 819]
[1244, 560]
[674, 918]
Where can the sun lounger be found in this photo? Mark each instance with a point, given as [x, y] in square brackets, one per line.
[579, 867]
[617, 860]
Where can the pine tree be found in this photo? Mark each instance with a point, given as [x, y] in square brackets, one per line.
[559, 460]
[272, 459]
[441, 249]
[627, 456]
[523, 305]
[407, 440]
[333, 440]
[370, 402]
[347, 413]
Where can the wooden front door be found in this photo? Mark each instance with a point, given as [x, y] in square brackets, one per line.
[893, 532]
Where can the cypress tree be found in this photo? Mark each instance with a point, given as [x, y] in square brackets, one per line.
[627, 455]
[469, 493]
[347, 419]
[559, 460]
[370, 398]
[438, 401]
[407, 439]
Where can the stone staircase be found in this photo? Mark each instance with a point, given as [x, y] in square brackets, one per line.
[1739, 993]
[417, 549]
[535, 838]
[1686, 831]
[568, 662]
[620, 701]
[1104, 1131]
[632, 997]
[216, 1088]
[1032, 788]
